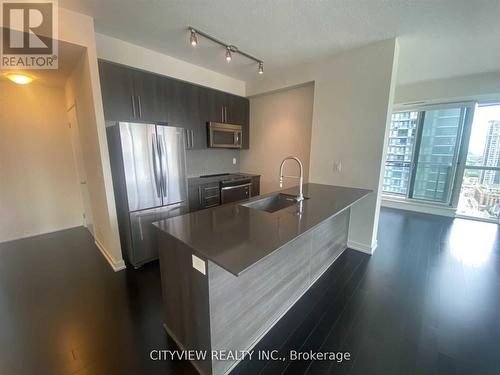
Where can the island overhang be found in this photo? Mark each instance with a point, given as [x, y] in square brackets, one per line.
[236, 237]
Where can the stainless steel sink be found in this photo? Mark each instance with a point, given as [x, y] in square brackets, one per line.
[272, 203]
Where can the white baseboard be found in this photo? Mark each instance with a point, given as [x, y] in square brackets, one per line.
[115, 265]
[364, 248]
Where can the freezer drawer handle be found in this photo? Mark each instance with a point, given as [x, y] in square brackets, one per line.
[140, 228]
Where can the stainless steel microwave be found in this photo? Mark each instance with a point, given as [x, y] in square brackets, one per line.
[222, 135]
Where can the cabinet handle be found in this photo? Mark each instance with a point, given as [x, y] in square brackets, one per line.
[133, 105]
[225, 113]
[139, 105]
[222, 113]
[192, 138]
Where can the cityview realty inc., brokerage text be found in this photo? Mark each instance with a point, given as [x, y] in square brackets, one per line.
[239, 355]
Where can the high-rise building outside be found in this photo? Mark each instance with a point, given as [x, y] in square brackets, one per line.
[491, 154]
[436, 156]
[400, 152]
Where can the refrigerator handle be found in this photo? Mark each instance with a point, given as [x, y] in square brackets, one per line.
[164, 166]
[188, 141]
[156, 164]
[133, 106]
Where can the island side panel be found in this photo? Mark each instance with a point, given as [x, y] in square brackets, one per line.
[185, 299]
[329, 241]
[245, 307]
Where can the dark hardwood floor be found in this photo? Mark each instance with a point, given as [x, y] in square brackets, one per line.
[427, 302]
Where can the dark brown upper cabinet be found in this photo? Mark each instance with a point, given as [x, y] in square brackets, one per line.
[117, 88]
[130, 95]
[133, 95]
[150, 104]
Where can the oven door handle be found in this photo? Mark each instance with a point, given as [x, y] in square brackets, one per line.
[236, 186]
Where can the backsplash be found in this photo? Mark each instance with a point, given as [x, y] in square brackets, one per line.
[209, 161]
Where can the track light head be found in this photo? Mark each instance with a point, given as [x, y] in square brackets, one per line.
[230, 48]
[194, 38]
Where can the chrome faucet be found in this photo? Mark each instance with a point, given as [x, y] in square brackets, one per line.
[299, 197]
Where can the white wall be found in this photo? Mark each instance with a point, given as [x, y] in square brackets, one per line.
[280, 125]
[119, 51]
[354, 93]
[482, 87]
[39, 190]
[84, 89]
[353, 97]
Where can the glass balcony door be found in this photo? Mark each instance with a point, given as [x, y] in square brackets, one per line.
[480, 190]
[436, 156]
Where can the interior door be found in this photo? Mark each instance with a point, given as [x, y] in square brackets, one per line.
[141, 164]
[437, 148]
[173, 164]
[80, 168]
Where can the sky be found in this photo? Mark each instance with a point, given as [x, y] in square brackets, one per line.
[482, 115]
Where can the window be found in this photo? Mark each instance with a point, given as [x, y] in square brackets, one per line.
[480, 190]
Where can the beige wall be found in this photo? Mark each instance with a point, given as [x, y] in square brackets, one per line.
[280, 125]
[39, 190]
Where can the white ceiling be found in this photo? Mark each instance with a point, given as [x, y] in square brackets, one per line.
[438, 39]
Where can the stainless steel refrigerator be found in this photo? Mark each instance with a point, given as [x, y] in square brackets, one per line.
[148, 163]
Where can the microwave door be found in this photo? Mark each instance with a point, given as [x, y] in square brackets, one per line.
[141, 165]
[173, 164]
[225, 138]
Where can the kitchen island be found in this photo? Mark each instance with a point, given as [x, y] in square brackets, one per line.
[230, 273]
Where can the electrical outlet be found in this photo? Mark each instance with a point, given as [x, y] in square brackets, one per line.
[337, 166]
[234, 161]
[199, 264]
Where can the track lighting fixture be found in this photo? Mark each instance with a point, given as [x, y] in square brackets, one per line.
[230, 49]
[194, 38]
